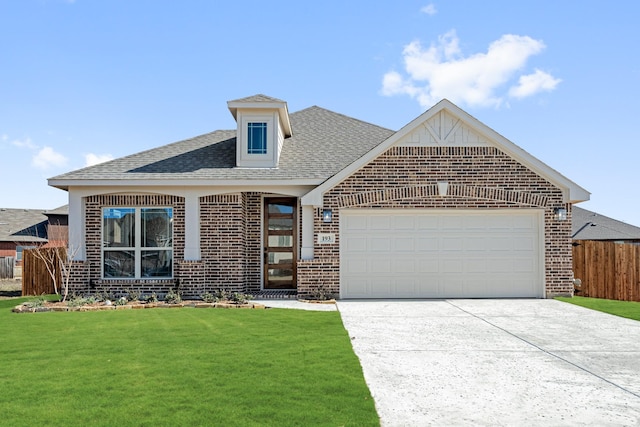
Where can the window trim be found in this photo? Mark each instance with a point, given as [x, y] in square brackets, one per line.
[138, 248]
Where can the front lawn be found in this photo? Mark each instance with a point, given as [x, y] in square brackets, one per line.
[629, 309]
[180, 367]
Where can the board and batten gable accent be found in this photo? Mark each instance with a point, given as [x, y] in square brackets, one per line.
[444, 129]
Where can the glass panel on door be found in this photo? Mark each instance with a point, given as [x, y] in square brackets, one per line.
[280, 243]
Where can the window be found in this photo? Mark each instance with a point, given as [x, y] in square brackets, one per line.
[256, 138]
[20, 250]
[137, 242]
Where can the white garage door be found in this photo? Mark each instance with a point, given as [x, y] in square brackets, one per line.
[411, 253]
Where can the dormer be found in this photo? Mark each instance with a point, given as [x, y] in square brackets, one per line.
[263, 125]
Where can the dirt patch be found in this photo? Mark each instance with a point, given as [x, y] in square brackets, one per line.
[10, 288]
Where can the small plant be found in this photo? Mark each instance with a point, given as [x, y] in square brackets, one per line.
[121, 301]
[38, 302]
[222, 295]
[322, 293]
[133, 294]
[103, 296]
[149, 298]
[78, 300]
[208, 297]
[173, 297]
[239, 297]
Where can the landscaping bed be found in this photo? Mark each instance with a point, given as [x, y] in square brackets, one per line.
[135, 301]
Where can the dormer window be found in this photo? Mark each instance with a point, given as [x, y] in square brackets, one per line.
[263, 126]
[257, 138]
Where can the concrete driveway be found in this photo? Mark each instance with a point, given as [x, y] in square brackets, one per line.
[496, 362]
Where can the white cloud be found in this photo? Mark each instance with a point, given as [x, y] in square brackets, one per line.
[47, 157]
[429, 9]
[534, 83]
[23, 143]
[442, 71]
[94, 159]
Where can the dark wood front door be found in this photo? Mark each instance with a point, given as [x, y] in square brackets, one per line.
[280, 242]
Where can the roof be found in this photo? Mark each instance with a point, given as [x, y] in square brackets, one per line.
[23, 225]
[323, 143]
[61, 210]
[587, 225]
[572, 192]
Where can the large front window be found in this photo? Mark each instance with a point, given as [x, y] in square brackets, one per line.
[137, 242]
[256, 138]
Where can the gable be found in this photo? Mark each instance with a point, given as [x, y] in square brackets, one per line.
[446, 125]
[444, 129]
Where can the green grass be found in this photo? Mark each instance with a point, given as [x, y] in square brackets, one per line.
[628, 309]
[159, 367]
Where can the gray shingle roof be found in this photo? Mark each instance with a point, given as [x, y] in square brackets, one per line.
[23, 225]
[587, 225]
[323, 143]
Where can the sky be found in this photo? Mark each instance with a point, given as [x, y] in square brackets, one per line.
[84, 81]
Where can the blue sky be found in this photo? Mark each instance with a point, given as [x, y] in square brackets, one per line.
[83, 81]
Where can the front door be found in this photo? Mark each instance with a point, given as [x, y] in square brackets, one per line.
[280, 238]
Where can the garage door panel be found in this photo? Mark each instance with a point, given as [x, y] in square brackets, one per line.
[354, 244]
[403, 222]
[441, 254]
[403, 244]
[380, 244]
[380, 223]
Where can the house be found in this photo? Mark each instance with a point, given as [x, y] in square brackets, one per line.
[315, 201]
[22, 229]
[587, 225]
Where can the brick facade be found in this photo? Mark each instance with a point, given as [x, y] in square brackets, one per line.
[402, 177]
[478, 177]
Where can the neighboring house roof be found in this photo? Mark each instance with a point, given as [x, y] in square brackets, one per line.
[62, 210]
[323, 143]
[572, 191]
[23, 225]
[587, 225]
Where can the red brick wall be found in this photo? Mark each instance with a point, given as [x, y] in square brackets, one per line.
[478, 177]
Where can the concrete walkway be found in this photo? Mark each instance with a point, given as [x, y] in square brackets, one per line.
[496, 362]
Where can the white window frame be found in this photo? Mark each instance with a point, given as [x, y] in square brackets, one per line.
[137, 249]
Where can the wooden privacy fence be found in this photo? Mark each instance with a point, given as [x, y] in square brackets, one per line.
[6, 267]
[607, 270]
[36, 279]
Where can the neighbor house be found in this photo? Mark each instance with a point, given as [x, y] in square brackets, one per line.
[588, 225]
[316, 201]
[22, 229]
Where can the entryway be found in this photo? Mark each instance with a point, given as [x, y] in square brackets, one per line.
[280, 243]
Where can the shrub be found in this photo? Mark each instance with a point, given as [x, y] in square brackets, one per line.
[149, 298]
[208, 297]
[38, 302]
[173, 297]
[239, 297]
[133, 294]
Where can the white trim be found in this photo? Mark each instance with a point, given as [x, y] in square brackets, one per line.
[572, 192]
[307, 246]
[192, 227]
[263, 184]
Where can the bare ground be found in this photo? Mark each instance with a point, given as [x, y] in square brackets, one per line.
[10, 288]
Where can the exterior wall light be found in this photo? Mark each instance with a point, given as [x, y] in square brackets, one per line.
[327, 215]
[560, 214]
